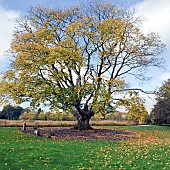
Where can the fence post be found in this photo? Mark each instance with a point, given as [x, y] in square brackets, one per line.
[24, 126]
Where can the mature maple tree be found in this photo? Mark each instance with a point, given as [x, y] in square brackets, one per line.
[76, 58]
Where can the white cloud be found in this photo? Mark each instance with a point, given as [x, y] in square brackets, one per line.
[157, 15]
[7, 27]
[150, 99]
[164, 76]
[157, 19]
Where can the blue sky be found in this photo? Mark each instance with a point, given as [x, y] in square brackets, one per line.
[22, 5]
[155, 12]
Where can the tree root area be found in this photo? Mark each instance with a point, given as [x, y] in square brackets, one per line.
[71, 134]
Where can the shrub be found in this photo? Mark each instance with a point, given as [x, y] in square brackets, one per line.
[28, 116]
[67, 116]
[55, 116]
[42, 116]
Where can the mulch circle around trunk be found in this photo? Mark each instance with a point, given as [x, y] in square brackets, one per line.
[71, 134]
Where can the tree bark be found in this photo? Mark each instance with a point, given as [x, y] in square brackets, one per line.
[83, 119]
[83, 124]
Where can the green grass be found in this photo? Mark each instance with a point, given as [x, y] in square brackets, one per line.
[151, 150]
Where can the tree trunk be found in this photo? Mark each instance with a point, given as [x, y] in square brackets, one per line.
[84, 124]
[83, 120]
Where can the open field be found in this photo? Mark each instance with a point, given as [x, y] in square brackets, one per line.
[41, 123]
[150, 150]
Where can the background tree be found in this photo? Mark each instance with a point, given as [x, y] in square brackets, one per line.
[38, 112]
[161, 109]
[42, 116]
[28, 115]
[55, 116]
[69, 58]
[11, 112]
[150, 118]
[134, 107]
[2, 116]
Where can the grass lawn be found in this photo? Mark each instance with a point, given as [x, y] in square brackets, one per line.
[150, 150]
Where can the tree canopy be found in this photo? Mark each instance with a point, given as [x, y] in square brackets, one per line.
[77, 58]
[161, 109]
[134, 107]
[11, 112]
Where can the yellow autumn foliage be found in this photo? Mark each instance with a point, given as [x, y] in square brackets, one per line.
[78, 58]
[135, 108]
